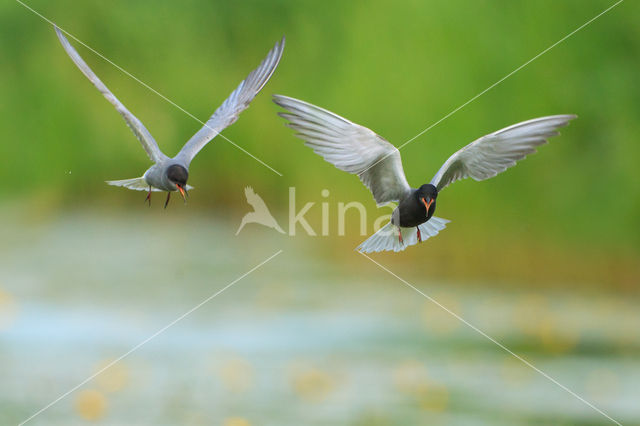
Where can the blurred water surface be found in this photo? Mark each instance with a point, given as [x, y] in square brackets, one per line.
[305, 339]
[543, 257]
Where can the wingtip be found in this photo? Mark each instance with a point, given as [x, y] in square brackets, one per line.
[59, 32]
[279, 48]
[567, 118]
[280, 100]
[287, 102]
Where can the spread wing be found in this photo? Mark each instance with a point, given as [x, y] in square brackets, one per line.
[148, 143]
[238, 101]
[496, 152]
[349, 147]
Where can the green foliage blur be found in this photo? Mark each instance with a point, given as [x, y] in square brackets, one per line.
[396, 67]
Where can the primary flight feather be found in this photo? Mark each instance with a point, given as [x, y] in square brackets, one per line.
[360, 151]
[171, 174]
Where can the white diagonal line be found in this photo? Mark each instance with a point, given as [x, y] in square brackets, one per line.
[473, 327]
[136, 347]
[151, 88]
[498, 82]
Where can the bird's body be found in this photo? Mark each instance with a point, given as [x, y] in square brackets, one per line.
[171, 174]
[411, 212]
[358, 150]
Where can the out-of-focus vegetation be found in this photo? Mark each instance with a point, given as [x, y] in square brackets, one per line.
[394, 67]
[320, 335]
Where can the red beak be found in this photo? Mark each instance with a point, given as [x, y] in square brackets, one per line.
[183, 192]
[427, 205]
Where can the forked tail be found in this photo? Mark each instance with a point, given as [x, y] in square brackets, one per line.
[137, 184]
[387, 238]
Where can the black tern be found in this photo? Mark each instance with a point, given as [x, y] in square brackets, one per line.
[360, 151]
[171, 174]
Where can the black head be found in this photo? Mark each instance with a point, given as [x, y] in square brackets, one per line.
[426, 196]
[178, 175]
[427, 191]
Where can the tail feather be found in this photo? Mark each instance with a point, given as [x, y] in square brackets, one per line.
[138, 184]
[386, 239]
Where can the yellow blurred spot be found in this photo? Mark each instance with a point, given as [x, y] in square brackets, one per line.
[410, 377]
[114, 378]
[439, 320]
[8, 310]
[312, 384]
[236, 421]
[237, 375]
[90, 404]
[555, 340]
[433, 397]
[528, 311]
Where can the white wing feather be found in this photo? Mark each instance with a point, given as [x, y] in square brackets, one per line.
[148, 142]
[238, 101]
[496, 152]
[349, 147]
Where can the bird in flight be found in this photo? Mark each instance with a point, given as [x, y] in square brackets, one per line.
[360, 151]
[171, 174]
[260, 213]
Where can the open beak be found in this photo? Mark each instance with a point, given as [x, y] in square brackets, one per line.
[427, 204]
[183, 192]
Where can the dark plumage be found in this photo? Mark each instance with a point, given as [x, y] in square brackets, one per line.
[358, 150]
[178, 174]
[412, 210]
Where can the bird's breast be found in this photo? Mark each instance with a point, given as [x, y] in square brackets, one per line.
[412, 213]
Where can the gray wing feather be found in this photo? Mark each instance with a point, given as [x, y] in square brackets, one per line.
[349, 147]
[496, 152]
[148, 143]
[238, 101]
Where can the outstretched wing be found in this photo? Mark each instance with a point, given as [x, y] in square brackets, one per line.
[148, 143]
[238, 101]
[349, 147]
[496, 152]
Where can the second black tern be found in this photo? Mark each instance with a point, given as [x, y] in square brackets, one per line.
[171, 174]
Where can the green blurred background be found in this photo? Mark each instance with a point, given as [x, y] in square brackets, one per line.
[564, 221]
